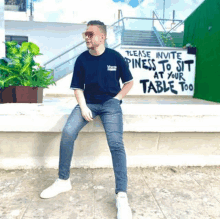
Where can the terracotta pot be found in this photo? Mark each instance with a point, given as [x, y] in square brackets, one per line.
[19, 94]
[0, 95]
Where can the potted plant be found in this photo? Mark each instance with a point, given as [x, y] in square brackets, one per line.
[190, 49]
[22, 79]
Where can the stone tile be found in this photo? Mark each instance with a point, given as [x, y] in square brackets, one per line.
[10, 179]
[104, 204]
[81, 179]
[153, 193]
[205, 170]
[104, 190]
[209, 179]
[71, 204]
[140, 198]
[178, 195]
[36, 180]
[13, 204]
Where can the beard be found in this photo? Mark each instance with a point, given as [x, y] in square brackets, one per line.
[89, 46]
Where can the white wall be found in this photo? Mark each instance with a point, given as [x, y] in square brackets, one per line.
[2, 30]
[160, 71]
[17, 15]
[53, 38]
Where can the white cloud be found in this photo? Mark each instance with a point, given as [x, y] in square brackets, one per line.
[189, 2]
[105, 10]
[85, 10]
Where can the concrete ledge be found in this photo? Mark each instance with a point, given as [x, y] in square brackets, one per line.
[39, 149]
[105, 161]
[154, 135]
[137, 117]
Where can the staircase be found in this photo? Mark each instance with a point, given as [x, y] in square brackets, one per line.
[139, 38]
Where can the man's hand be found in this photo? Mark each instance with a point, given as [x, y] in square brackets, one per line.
[86, 113]
[125, 89]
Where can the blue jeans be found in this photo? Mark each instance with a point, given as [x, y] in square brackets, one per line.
[110, 113]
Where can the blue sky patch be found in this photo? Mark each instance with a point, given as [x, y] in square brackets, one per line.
[133, 3]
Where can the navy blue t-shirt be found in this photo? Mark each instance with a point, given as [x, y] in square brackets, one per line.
[99, 75]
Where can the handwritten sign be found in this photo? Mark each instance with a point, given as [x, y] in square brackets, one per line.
[160, 72]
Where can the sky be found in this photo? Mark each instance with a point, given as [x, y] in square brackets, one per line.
[107, 10]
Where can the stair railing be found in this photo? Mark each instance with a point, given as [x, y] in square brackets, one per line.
[155, 14]
[158, 37]
[119, 33]
[176, 26]
[156, 32]
[122, 19]
[63, 53]
[73, 49]
[180, 22]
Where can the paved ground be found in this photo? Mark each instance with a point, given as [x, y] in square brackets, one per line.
[153, 193]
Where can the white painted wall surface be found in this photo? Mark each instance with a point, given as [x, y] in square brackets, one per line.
[2, 30]
[17, 15]
[53, 38]
[160, 71]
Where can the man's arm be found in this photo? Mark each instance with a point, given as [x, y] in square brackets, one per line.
[80, 97]
[125, 89]
[86, 112]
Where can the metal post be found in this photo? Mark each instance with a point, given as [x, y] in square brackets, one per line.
[163, 10]
[172, 24]
[2, 29]
[118, 16]
[153, 18]
[31, 12]
[31, 8]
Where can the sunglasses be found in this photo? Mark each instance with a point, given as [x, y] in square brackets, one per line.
[88, 33]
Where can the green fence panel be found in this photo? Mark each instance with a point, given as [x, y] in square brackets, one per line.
[202, 29]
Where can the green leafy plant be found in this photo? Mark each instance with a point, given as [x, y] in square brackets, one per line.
[20, 69]
[167, 38]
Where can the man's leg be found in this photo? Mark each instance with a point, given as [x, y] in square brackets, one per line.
[111, 116]
[70, 132]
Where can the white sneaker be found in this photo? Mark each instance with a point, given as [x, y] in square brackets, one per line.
[56, 188]
[123, 208]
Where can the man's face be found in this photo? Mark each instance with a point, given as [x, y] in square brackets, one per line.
[93, 37]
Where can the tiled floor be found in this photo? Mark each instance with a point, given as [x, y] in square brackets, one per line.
[153, 193]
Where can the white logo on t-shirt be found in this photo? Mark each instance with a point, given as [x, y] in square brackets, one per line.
[111, 68]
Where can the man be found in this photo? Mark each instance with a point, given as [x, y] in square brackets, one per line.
[99, 69]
